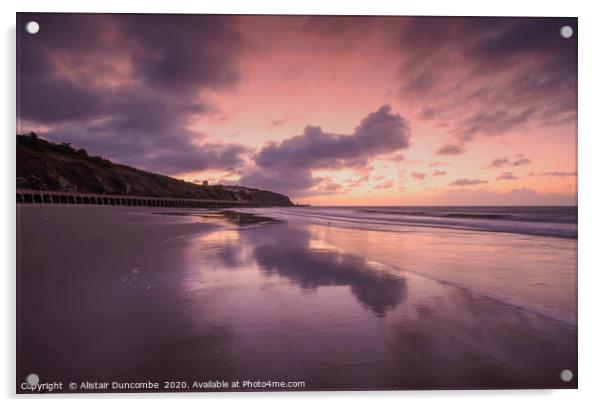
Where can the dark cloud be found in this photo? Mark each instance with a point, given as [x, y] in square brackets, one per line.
[517, 38]
[288, 164]
[491, 123]
[197, 158]
[498, 162]
[438, 173]
[420, 83]
[521, 161]
[418, 175]
[154, 155]
[466, 182]
[489, 76]
[54, 101]
[183, 51]
[503, 161]
[298, 182]
[379, 133]
[127, 86]
[507, 176]
[451, 149]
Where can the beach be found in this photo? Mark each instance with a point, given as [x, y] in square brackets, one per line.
[335, 298]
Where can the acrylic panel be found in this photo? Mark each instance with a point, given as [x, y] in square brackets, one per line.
[295, 203]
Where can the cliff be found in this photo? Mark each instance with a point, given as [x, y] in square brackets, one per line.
[43, 165]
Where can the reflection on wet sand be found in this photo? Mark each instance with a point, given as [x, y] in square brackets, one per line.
[432, 335]
[288, 252]
[291, 252]
[176, 298]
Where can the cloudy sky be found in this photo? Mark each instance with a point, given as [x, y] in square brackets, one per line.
[328, 110]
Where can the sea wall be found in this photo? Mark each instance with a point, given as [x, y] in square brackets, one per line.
[28, 196]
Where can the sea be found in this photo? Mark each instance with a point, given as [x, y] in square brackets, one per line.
[553, 221]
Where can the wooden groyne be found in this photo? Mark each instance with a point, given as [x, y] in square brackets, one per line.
[27, 196]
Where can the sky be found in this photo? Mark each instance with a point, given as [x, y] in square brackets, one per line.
[328, 110]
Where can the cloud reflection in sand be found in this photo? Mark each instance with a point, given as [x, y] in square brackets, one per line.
[305, 300]
[292, 253]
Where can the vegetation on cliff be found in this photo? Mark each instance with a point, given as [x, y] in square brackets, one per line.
[43, 165]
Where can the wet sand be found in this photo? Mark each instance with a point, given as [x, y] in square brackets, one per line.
[129, 294]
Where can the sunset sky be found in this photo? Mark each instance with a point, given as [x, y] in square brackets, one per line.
[328, 110]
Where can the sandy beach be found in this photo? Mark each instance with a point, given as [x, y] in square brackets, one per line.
[136, 294]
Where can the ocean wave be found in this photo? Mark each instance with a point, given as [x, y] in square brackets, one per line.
[560, 222]
[566, 215]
